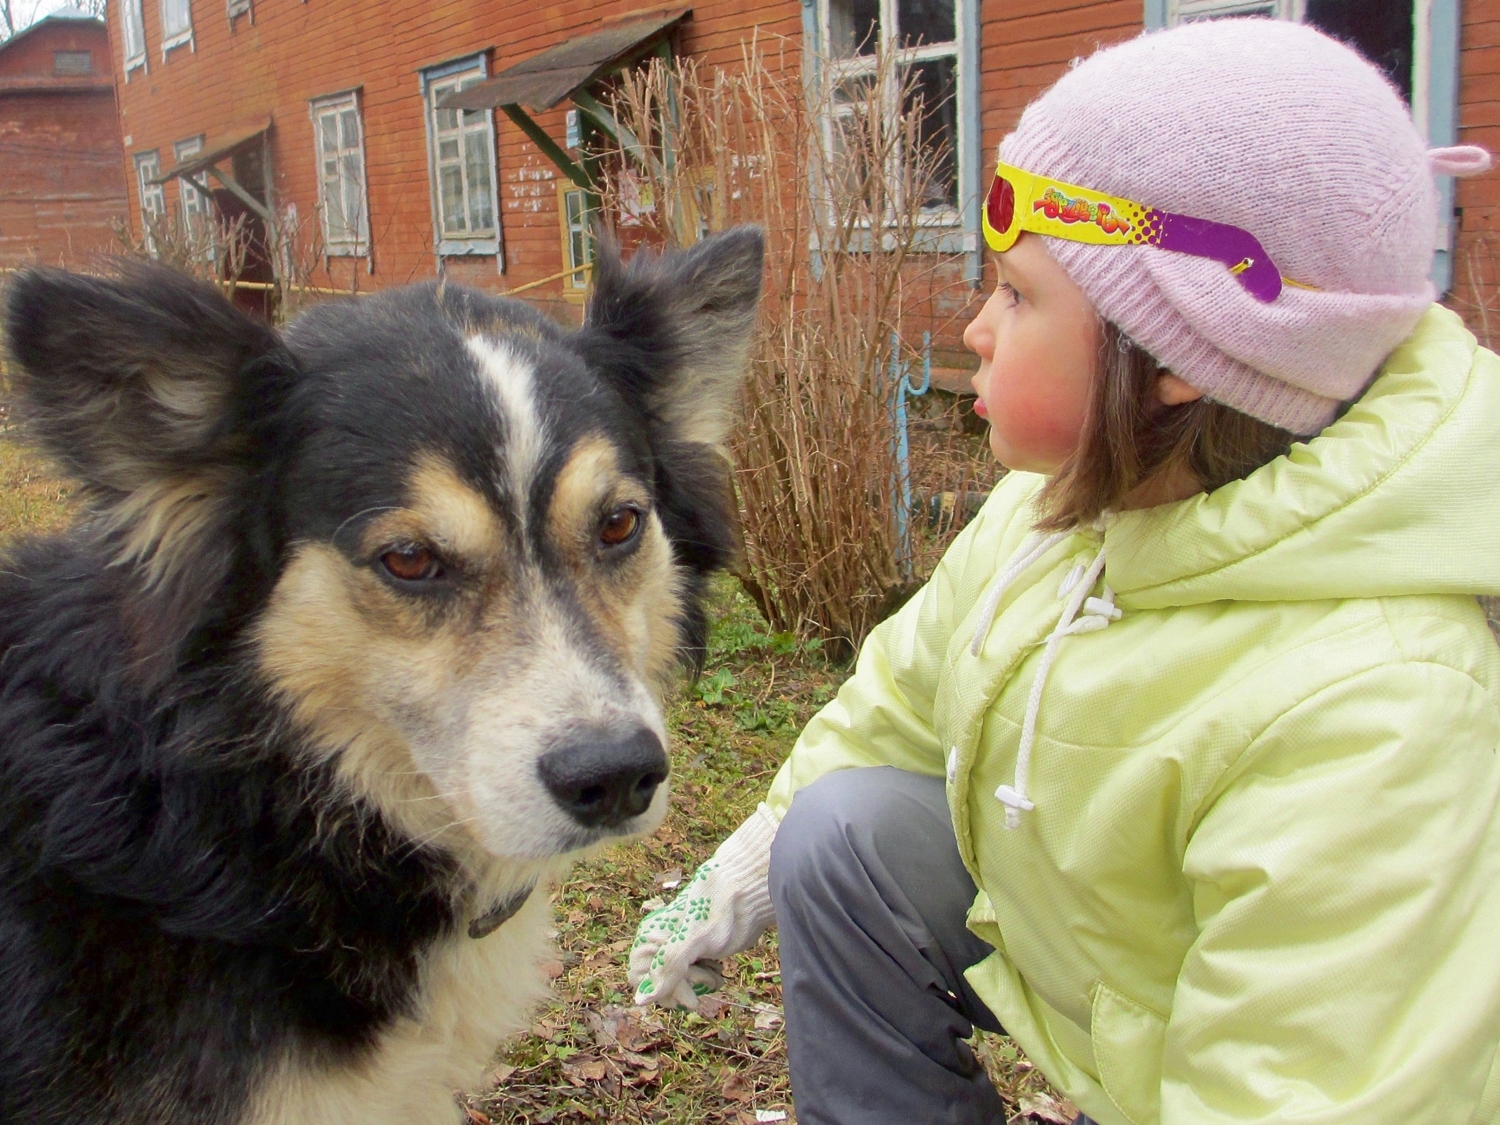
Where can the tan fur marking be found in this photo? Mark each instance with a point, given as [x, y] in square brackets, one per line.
[634, 610]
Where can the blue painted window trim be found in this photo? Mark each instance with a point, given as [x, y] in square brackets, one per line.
[1441, 126]
[462, 247]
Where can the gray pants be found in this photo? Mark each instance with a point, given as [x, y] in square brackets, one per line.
[870, 898]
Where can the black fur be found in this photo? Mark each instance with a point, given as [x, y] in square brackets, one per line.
[184, 892]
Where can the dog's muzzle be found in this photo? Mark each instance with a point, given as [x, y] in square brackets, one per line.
[603, 780]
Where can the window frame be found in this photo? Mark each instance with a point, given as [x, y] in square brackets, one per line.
[181, 37]
[953, 229]
[574, 286]
[1434, 88]
[191, 200]
[148, 167]
[139, 59]
[233, 8]
[469, 68]
[334, 105]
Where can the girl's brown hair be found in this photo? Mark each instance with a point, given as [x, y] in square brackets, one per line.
[1129, 438]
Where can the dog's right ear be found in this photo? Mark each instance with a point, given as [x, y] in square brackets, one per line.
[161, 399]
[135, 381]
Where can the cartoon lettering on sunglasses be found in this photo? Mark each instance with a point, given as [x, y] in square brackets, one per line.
[1055, 205]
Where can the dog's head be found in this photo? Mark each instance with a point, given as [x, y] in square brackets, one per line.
[460, 547]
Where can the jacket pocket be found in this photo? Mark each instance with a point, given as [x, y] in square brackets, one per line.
[1128, 1042]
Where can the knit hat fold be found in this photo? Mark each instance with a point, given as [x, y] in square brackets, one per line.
[1273, 127]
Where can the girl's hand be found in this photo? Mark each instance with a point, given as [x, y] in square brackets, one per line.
[724, 909]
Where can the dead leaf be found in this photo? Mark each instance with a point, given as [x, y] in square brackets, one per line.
[711, 1007]
[670, 879]
[501, 1073]
[552, 969]
[736, 1089]
[474, 1117]
[1045, 1107]
[767, 1018]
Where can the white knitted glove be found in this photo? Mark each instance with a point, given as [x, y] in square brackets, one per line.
[725, 908]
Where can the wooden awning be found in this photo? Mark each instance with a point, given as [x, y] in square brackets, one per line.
[559, 72]
[207, 160]
[224, 147]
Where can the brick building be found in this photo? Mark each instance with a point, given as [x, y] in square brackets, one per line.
[331, 113]
[61, 184]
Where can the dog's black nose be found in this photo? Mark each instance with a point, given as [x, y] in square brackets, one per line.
[604, 781]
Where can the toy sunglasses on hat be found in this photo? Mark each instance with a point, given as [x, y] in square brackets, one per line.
[1021, 200]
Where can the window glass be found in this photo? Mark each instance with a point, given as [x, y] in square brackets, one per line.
[135, 30]
[932, 98]
[853, 27]
[176, 18]
[1381, 30]
[925, 21]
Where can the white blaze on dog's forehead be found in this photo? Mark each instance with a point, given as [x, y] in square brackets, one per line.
[511, 379]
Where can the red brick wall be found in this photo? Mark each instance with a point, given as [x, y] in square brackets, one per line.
[295, 52]
[60, 150]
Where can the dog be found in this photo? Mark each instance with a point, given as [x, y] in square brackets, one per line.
[358, 643]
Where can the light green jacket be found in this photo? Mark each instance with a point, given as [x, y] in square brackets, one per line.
[1261, 881]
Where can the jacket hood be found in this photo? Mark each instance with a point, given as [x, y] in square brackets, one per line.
[1399, 496]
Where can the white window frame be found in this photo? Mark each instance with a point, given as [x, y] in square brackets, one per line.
[153, 196]
[133, 36]
[356, 243]
[180, 36]
[574, 285]
[194, 205]
[1434, 82]
[438, 82]
[234, 8]
[958, 49]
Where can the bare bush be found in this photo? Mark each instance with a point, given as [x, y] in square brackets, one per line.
[839, 184]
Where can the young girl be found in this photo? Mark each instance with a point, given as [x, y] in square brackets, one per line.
[1183, 767]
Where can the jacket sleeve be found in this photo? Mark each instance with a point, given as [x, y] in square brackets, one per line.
[1346, 882]
[882, 715]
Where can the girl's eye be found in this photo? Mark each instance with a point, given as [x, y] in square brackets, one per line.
[411, 562]
[1008, 293]
[620, 527]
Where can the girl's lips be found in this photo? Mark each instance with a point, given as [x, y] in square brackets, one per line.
[980, 408]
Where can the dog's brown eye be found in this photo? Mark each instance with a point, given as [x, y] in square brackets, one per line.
[411, 563]
[619, 527]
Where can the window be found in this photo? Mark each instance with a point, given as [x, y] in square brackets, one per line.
[926, 36]
[339, 136]
[134, 34]
[176, 24]
[196, 207]
[153, 198]
[72, 62]
[238, 8]
[577, 238]
[461, 155]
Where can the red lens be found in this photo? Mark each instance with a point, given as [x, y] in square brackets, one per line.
[1000, 206]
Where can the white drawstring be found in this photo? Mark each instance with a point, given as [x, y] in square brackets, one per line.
[1031, 549]
[1102, 611]
[1075, 588]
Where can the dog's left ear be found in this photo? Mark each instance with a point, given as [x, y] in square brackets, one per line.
[673, 331]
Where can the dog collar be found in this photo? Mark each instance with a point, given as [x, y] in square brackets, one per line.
[499, 914]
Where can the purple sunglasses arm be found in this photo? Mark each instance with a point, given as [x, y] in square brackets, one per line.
[1204, 238]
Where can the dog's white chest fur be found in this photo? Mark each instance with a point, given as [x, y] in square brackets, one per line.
[475, 994]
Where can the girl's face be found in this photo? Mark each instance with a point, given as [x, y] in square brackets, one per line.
[1037, 343]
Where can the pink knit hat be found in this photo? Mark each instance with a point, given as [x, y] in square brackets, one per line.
[1276, 128]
